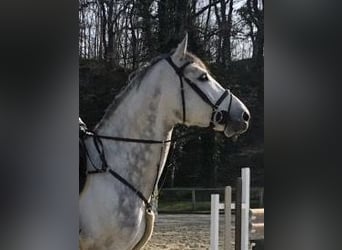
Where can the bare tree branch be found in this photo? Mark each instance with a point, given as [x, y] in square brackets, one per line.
[207, 7]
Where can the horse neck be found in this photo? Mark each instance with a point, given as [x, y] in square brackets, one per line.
[142, 114]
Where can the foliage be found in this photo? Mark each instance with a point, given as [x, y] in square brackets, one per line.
[129, 32]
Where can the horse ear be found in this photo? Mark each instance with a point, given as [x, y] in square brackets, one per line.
[182, 47]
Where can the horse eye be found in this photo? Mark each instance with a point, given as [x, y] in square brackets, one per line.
[203, 77]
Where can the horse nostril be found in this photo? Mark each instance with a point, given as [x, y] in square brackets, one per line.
[245, 116]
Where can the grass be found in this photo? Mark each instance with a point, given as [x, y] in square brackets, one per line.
[183, 207]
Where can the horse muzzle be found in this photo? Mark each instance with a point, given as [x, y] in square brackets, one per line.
[235, 127]
[232, 126]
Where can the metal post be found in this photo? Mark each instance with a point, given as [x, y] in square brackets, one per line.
[214, 221]
[227, 218]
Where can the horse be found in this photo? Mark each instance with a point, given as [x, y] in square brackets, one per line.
[127, 150]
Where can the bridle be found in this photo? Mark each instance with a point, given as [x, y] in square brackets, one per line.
[217, 117]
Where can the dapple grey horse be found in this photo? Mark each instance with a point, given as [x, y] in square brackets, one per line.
[171, 90]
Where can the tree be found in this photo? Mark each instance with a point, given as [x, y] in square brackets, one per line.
[253, 15]
[224, 22]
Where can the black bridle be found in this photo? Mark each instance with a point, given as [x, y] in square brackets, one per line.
[218, 117]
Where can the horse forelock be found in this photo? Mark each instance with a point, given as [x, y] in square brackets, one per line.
[193, 58]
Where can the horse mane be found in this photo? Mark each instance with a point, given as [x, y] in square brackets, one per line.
[135, 79]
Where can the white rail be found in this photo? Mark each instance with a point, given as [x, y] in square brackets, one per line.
[228, 206]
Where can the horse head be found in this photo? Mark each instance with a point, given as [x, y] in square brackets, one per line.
[203, 101]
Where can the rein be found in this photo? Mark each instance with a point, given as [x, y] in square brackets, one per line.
[218, 117]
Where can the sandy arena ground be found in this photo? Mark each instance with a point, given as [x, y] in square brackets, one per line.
[182, 231]
[188, 232]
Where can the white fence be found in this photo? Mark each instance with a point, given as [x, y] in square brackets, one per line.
[243, 220]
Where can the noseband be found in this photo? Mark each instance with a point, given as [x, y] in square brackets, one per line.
[217, 116]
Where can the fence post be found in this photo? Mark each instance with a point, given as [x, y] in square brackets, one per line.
[261, 203]
[214, 221]
[238, 214]
[193, 195]
[227, 218]
[245, 173]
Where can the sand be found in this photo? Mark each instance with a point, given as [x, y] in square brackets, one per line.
[185, 231]
[188, 232]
